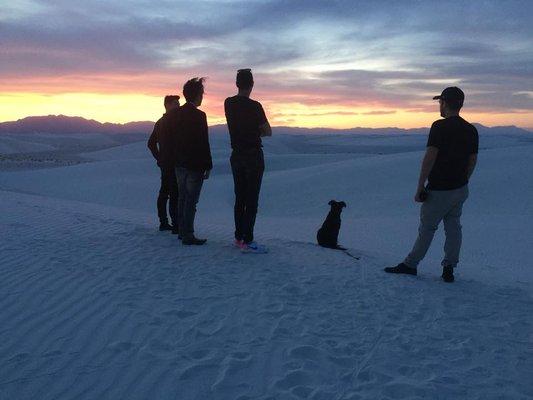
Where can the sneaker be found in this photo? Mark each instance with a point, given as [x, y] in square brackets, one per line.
[447, 274]
[165, 226]
[253, 247]
[238, 243]
[193, 241]
[401, 269]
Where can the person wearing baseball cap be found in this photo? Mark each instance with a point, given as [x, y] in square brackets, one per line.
[448, 164]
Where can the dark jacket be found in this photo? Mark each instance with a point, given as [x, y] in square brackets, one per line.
[192, 145]
[162, 142]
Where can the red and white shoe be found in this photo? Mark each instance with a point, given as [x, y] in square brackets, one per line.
[253, 247]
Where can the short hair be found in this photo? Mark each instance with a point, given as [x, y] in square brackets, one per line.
[454, 104]
[245, 79]
[170, 98]
[193, 88]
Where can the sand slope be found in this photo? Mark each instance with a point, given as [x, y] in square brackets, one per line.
[95, 303]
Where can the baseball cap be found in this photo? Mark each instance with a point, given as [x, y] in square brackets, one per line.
[451, 93]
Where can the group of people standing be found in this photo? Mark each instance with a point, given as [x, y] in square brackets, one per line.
[180, 144]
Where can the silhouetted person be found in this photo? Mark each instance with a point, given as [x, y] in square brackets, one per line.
[247, 123]
[161, 145]
[450, 160]
[193, 158]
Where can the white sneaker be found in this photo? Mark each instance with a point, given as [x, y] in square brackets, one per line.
[253, 247]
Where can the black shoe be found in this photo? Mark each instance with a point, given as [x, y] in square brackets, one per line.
[447, 274]
[165, 226]
[401, 269]
[193, 241]
[175, 230]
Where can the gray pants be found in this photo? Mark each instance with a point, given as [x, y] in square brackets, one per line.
[441, 205]
[189, 187]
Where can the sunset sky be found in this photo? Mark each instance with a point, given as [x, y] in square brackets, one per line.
[316, 63]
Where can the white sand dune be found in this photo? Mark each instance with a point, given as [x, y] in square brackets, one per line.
[96, 304]
[13, 145]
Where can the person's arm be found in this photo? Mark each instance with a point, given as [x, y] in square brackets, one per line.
[264, 126]
[265, 130]
[472, 159]
[229, 120]
[471, 166]
[152, 142]
[174, 137]
[433, 145]
[427, 164]
[206, 147]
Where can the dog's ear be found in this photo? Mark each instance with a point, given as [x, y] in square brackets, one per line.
[342, 204]
[331, 202]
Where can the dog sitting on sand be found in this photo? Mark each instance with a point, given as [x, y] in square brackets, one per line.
[328, 234]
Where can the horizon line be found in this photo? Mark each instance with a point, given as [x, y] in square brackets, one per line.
[529, 129]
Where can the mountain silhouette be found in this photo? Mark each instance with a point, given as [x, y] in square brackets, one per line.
[62, 124]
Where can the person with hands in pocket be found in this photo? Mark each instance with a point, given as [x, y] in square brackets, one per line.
[193, 158]
[161, 145]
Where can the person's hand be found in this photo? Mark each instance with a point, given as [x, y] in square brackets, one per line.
[207, 173]
[420, 195]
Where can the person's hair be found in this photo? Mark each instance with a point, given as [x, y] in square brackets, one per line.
[193, 88]
[170, 98]
[245, 79]
[454, 104]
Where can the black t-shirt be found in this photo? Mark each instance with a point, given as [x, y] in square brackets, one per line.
[456, 140]
[162, 139]
[244, 117]
[192, 140]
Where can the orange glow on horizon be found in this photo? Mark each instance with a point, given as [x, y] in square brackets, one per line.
[127, 107]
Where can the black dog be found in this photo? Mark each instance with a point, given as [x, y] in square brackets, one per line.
[328, 234]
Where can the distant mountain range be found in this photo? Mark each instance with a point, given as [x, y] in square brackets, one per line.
[61, 124]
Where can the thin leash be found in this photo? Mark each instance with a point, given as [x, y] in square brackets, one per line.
[350, 254]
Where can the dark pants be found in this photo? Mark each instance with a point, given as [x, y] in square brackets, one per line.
[247, 168]
[168, 192]
[189, 188]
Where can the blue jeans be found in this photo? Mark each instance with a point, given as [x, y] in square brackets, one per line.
[189, 188]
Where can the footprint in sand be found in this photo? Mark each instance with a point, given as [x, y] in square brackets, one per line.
[53, 353]
[20, 357]
[196, 370]
[230, 370]
[302, 392]
[343, 362]
[293, 379]
[119, 347]
[292, 289]
[306, 353]
[241, 355]
[181, 314]
[200, 354]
